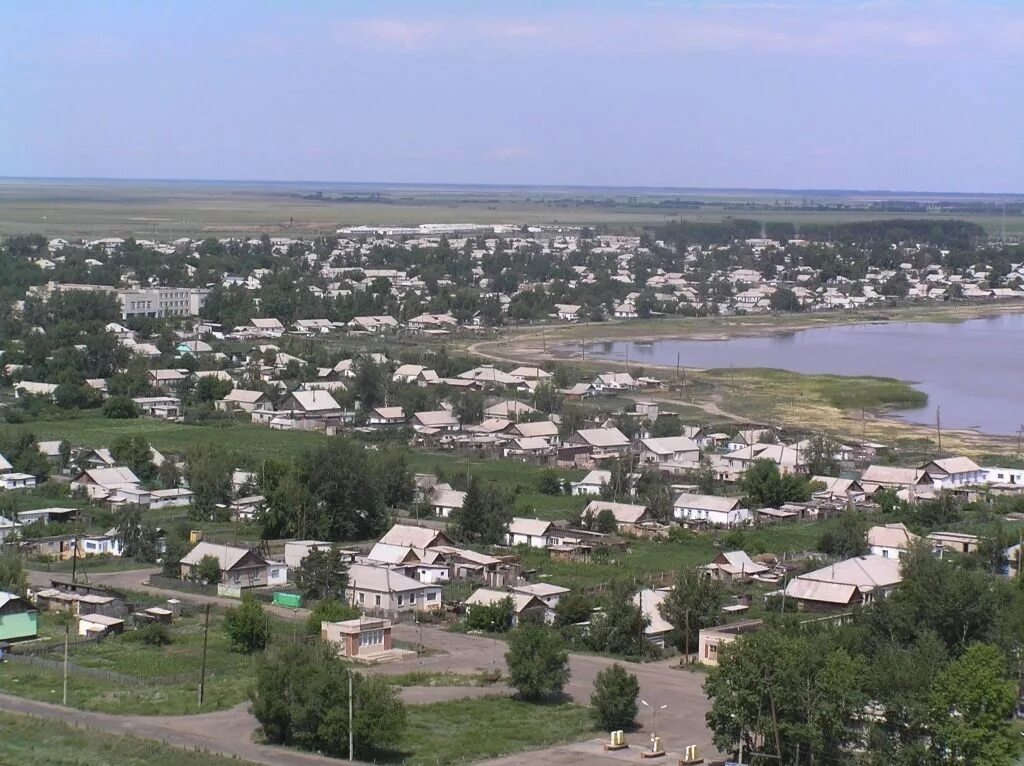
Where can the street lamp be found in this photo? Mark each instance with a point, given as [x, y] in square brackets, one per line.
[654, 715]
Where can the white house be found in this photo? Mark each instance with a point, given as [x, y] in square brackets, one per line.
[532, 532]
[891, 541]
[710, 509]
[669, 450]
[15, 480]
[954, 472]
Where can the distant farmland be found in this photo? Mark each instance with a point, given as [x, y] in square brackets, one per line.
[170, 209]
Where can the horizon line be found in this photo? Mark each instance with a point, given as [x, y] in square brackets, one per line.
[649, 189]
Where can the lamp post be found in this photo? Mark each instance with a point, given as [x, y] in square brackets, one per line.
[654, 715]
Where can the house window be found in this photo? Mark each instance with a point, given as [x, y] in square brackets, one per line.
[362, 598]
[400, 599]
[432, 595]
[275, 572]
[377, 599]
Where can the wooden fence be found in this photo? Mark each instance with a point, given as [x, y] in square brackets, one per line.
[100, 674]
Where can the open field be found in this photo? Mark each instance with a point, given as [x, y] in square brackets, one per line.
[31, 741]
[472, 729]
[170, 209]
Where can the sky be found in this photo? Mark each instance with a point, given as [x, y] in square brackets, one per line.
[910, 95]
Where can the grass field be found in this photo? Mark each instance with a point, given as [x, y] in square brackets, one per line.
[165, 693]
[473, 729]
[31, 741]
[170, 209]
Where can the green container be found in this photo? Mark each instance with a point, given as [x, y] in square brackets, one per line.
[293, 600]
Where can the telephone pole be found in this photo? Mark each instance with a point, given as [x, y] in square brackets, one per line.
[202, 672]
[351, 739]
[938, 425]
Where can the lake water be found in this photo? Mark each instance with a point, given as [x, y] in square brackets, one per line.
[973, 370]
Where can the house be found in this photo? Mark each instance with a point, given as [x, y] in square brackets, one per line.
[313, 326]
[16, 480]
[18, 618]
[912, 480]
[524, 606]
[614, 381]
[954, 472]
[550, 594]
[592, 483]
[33, 388]
[847, 583]
[668, 451]
[601, 443]
[510, 409]
[268, 327]
[658, 629]
[246, 509]
[435, 421]
[409, 373]
[534, 446]
[534, 533]
[435, 323]
[537, 429]
[734, 566]
[891, 541]
[244, 400]
[579, 391]
[748, 437]
[568, 312]
[167, 381]
[386, 416]
[626, 515]
[393, 555]
[364, 639]
[710, 509]
[374, 324]
[310, 404]
[383, 589]
[445, 500]
[415, 537]
[845, 490]
[711, 640]
[954, 542]
[165, 407]
[296, 550]
[95, 625]
[531, 373]
[5, 465]
[107, 483]
[47, 515]
[241, 567]
[625, 310]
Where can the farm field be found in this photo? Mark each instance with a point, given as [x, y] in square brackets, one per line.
[31, 741]
[170, 209]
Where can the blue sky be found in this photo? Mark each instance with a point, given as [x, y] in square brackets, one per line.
[915, 95]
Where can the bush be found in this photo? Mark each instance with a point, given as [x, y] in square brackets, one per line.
[329, 610]
[538, 664]
[247, 626]
[120, 408]
[496, 617]
[613, 703]
[208, 570]
[155, 634]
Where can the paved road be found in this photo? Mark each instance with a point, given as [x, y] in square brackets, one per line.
[680, 724]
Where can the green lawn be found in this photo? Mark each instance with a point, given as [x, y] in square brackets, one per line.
[31, 741]
[488, 727]
[91, 429]
[229, 674]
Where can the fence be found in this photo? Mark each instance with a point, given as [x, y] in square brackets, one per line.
[121, 679]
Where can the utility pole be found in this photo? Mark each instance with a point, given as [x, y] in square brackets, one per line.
[202, 672]
[351, 739]
[938, 425]
[1020, 433]
[67, 639]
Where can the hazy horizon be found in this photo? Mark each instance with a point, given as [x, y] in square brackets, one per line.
[881, 96]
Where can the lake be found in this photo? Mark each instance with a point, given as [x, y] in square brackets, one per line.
[973, 370]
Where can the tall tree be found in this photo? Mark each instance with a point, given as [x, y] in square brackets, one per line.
[484, 515]
[538, 664]
[322, 574]
[694, 603]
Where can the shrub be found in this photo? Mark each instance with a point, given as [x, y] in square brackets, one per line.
[247, 626]
[538, 664]
[155, 634]
[613, 703]
[120, 408]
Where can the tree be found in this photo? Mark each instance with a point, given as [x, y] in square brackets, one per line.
[484, 515]
[139, 540]
[694, 603]
[168, 474]
[666, 425]
[301, 698]
[210, 388]
[546, 398]
[135, 453]
[971, 704]
[848, 538]
[208, 570]
[613, 702]
[496, 617]
[369, 385]
[322, 574]
[208, 470]
[13, 577]
[784, 299]
[469, 407]
[247, 626]
[329, 610]
[786, 693]
[619, 627]
[120, 408]
[605, 522]
[538, 663]
[155, 634]
[820, 456]
[764, 486]
[573, 608]
[549, 482]
[65, 453]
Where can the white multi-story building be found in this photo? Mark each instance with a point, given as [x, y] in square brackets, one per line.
[162, 302]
